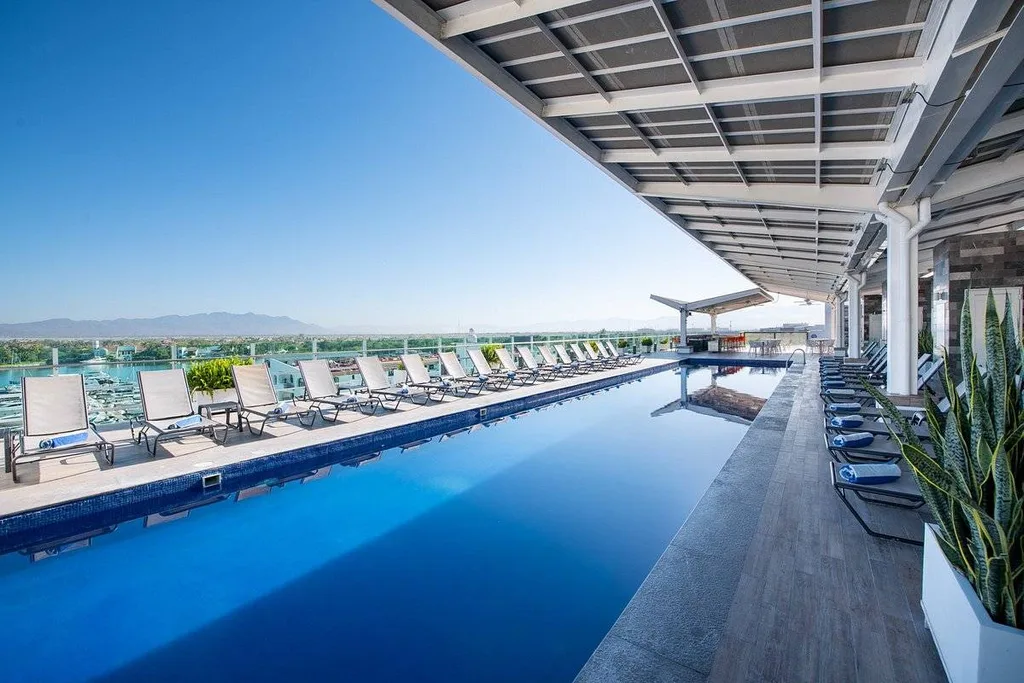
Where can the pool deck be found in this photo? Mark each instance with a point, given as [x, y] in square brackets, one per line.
[60, 480]
[772, 579]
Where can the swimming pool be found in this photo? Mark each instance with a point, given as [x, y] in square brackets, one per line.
[504, 553]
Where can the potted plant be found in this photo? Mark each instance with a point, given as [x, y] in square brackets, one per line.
[973, 574]
[647, 343]
[211, 381]
[622, 344]
[490, 352]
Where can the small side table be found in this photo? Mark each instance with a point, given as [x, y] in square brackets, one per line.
[208, 410]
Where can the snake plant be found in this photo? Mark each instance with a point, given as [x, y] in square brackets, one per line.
[974, 480]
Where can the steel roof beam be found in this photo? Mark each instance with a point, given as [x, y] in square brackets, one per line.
[877, 76]
[868, 151]
[980, 108]
[787, 215]
[828, 197]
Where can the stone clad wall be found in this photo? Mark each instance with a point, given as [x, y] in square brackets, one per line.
[970, 262]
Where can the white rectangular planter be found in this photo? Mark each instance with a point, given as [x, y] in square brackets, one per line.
[973, 648]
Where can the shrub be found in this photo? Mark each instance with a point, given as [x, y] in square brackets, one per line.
[210, 375]
[490, 352]
[622, 344]
[972, 483]
[925, 342]
[647, 341]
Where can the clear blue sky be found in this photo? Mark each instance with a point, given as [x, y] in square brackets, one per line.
[314, 159]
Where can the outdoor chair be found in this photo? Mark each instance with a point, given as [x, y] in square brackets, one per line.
[902, 493]
[502, 380]
[558, 367]
[545, 372]
[258, 402]
[456, 373]
[629, 358]
[377, 385]
[55, 422]
[325, 395]
[418, 376]
[168, 413]
[509, 366]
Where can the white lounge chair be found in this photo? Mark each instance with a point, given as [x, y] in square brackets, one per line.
[628, 358]
[544, 372]
[55, 422]
[509, 366]
[258, 399]
[324, 394]
[587, 356]
[377, 384]
[419, 377]
[549, 360]
[456, 373]
[167, 410]
[500, 380]
[580, 366]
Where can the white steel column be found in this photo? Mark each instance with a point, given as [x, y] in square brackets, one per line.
[897, 275]
[684, 347]
[853, 282]
[924, 217]
[828, 322]
[714, 323]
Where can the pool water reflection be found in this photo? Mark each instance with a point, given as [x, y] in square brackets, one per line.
[501, 554]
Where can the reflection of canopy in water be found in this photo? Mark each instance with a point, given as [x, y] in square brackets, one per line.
[716, 401]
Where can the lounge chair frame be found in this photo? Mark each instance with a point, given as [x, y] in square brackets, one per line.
[341, 399]
[456, 373]
[390, 397]
[305, 417]
[876, 495]
[500, 381]
[16, 452]
[152, 424]
[433, 387]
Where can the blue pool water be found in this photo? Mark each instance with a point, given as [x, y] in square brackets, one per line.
[503, 554]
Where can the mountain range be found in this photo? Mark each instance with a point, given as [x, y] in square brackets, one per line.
[198, 325]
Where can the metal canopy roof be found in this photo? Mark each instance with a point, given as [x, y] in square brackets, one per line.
[726, 303]
[766, 129]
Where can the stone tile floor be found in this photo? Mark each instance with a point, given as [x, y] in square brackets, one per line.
[771, 578]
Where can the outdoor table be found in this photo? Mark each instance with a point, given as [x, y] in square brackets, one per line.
[221, 407]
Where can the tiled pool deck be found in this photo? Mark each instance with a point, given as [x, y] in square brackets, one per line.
[771, 579]
[59, 480]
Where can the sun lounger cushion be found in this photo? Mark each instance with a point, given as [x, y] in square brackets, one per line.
[846, 421]
[881, 473]
[840, 392]
[63, 440]
[189, 421]
[851, 407]
[833, 383]
[855, 440]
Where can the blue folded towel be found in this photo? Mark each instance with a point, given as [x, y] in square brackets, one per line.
[65, 440]
[403, 390]
[851, 407]
[840, 392]
[510, 374]
[881, 473]
[846, 421]
[281, 408]
[855, 440]
[185, 422]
